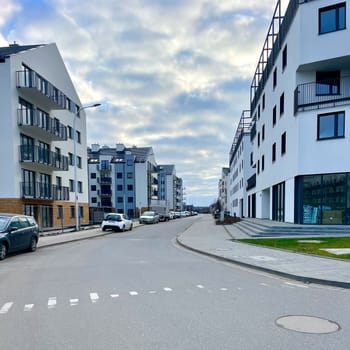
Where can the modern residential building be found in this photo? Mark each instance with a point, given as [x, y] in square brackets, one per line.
[241, 173]
[167, 185]
[121, 179]
[222, 189]
[300, 102]
[39, 106]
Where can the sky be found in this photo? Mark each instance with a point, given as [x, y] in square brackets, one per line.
[171, 74]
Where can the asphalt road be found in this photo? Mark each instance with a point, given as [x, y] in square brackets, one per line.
[139, 290]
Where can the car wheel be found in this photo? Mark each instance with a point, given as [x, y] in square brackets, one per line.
[3, 251]
[130, 227]
[103, 229]
[33, 244]
[123, 228]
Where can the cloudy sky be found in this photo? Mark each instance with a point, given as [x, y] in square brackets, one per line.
[171, 74]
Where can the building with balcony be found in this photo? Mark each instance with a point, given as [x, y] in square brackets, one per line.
[167, 185]
[300, 102]
[241, 174]
[38, 103]
[121, 179]
[222, 190]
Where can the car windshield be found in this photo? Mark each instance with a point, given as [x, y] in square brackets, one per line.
[148, 213]
[3, 222]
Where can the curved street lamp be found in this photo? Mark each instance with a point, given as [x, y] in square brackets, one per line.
[76, 114]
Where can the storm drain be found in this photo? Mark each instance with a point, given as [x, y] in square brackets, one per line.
[307, 324]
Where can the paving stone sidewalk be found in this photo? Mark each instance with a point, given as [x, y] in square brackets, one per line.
[217, 241]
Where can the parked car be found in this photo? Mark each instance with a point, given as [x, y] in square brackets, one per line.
[149, 217]
[116, 222]
[17, 232]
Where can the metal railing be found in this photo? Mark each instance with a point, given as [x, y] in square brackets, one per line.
[322, 94]
[33, 117]
[39, 155]
[38, 190]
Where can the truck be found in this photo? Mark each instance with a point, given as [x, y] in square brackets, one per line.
[161, 207]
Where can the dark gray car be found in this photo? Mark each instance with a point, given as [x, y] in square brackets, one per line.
[17, 232]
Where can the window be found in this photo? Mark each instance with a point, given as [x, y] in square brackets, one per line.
[130, 199]
[258, 166]
[262, 163]
[331, 18]
[283, 143]
[81, 212]
[328, 83]
[130, 175]
[130, 187]
[258, 139]
[284, 58]
[70, 156]
[71, 185]
[251, 158]
[71, 211]
[80, 187]
[331, 125]
[275, 78]
[274, 116]
[258, 112]
[274, 152]
[93, 188]
[93, 200]
[93, 176]
[59, 212]
[281, 104]
[120, 199]
[263, 132]
[119, 175]
[104, 164]
[119, 187]
[263, 102]
[70, 132]
[78, 137]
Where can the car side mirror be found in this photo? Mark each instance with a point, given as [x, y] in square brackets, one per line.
[13, 228]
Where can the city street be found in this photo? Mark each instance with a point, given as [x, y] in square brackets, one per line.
[141, 290]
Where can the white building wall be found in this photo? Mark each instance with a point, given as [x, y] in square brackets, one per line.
[141, 185]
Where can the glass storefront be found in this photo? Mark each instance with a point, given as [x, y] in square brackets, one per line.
[323, 199]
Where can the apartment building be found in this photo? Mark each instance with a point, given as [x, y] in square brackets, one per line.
[240, 168]
[39, 105]
[300, 102]
[167, 185]
[121, 179]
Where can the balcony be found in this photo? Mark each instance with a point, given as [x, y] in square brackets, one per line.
[251, 182]
[104, 180]
[40, 90]
[106, 194]
[42, 124]
[322, 94]
[40, 156]
[40, 190]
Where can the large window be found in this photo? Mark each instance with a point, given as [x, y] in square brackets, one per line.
[332, 18]
[331, 125]
[328, 83]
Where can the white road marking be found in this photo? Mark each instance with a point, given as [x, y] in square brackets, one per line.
[200, 286]
[52, 302]
[152, 292]
[296, 285]
[94, 297]
[74, 302]
[263, 258]
[28, 307]
[133, 293]
[114, 295]
[264, 284]
[167, 289]
[223, 289]
[6, 307]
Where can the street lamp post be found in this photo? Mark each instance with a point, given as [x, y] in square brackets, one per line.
[75, 162]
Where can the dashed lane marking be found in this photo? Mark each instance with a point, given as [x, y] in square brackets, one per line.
[94, 297]
[28, 307]
[73, 302]
[167, 289]
[6, 307]
[52, 302]
[114, 295]
[133, 293]
[200, 286]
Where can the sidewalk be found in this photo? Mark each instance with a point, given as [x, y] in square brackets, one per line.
[217, 241]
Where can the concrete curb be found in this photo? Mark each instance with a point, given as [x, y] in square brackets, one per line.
[304, 279]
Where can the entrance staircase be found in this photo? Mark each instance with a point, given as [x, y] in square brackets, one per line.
[268, 228]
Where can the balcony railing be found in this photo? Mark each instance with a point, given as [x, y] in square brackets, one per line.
[35, 119]
[40, 190]
[41, 88]
[105, 180]
[322, 94]
[38, 155]
[106, 194]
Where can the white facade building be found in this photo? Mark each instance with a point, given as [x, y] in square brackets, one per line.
[300, 106]
[38, 105]
[240, 168]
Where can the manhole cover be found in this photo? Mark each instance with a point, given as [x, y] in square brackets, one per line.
[307, 324]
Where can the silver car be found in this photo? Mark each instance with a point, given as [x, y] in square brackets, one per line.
[149, 217]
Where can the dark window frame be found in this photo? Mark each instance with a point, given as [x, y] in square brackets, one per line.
[337, 117]
[338, 25]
